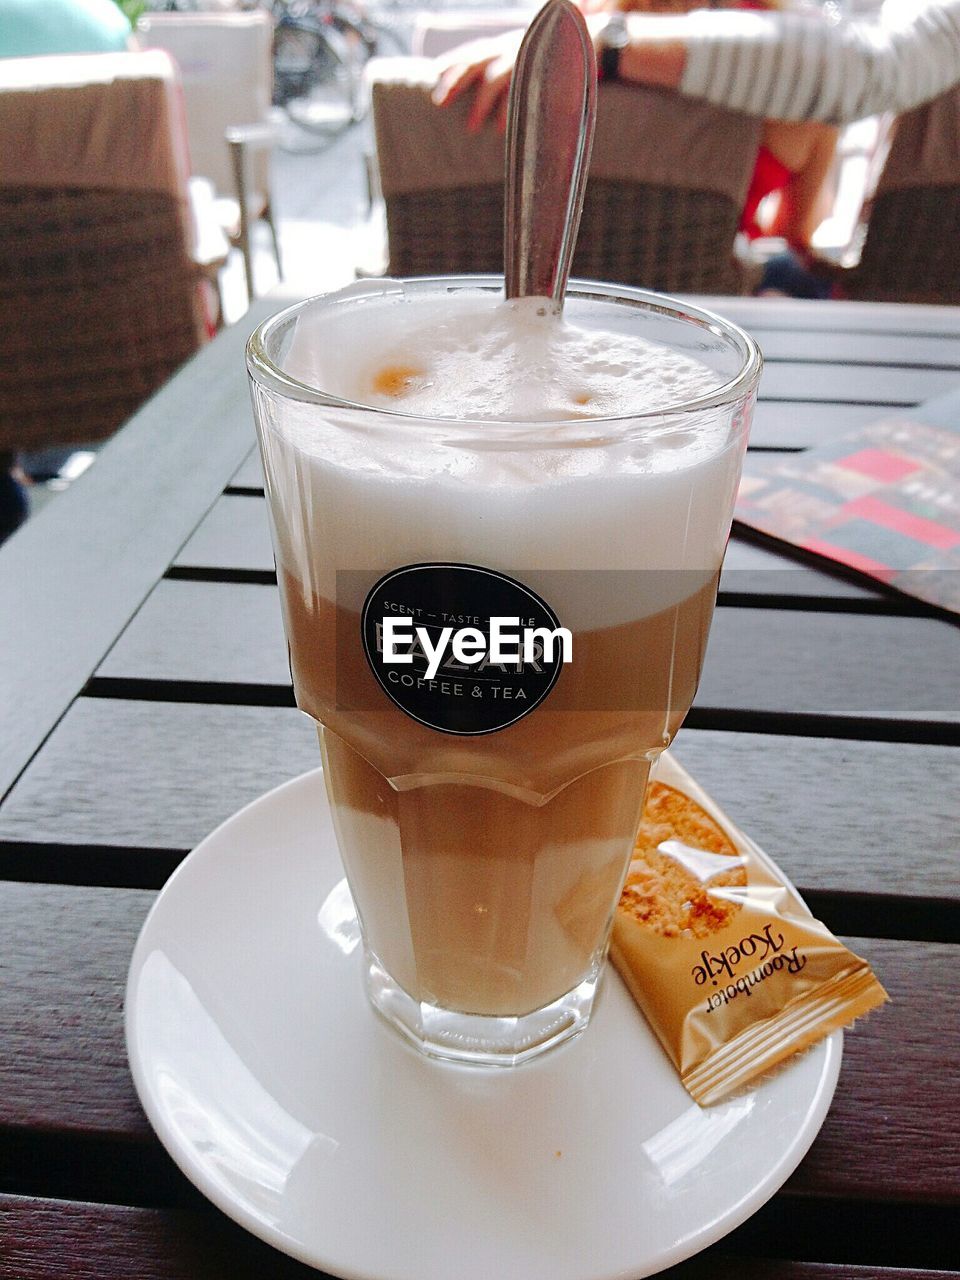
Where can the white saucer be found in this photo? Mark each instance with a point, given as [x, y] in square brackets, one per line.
[288, 1102]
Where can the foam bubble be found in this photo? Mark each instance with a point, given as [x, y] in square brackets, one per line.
[476, 355]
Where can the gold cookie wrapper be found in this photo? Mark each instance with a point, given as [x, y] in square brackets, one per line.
[718, 949]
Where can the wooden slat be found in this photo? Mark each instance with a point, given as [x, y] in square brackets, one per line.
[838, 816]
[249, 475]
[835, 317]
[66, 1240]
[876, 384]
[235, 535]
[218, 632]
[897, 350]
[793, 795]
[65, 953]
[758, 660]
[832, 665]
[80, 569]
[753, 570]
[714, 1266]
[917, 1156]
[786, 424]
[154, 775]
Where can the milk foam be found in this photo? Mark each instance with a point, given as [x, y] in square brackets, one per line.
[367, 494]
[475, 356]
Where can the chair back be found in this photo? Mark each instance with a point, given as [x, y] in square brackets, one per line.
[911, 252]
[667, 182]
[99, 294]
[226, 69]
[436, 32]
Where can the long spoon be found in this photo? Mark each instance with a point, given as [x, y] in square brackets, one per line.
[551, 116]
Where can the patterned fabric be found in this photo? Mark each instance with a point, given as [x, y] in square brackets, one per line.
[796, 66]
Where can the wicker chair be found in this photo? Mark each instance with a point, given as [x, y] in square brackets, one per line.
[100, 298]
[911, 252]
[667, 183]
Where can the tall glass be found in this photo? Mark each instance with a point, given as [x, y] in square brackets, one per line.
[486, 802]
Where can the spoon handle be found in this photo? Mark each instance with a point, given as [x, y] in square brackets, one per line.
[550, 122]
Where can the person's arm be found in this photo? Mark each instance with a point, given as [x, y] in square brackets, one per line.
[486, 66]
[789, 66]
[808, 149]
[782, 66]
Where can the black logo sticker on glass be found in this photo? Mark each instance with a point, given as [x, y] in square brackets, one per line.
[460, 648]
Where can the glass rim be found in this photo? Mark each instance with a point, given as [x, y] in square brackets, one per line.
[263, 370]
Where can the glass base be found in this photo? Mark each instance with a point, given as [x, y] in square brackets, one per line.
[480, 1039]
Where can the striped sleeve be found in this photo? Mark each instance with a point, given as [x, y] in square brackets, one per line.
[793, 66]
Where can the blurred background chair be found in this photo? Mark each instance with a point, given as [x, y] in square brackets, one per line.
[911, 247]
[437, 31]
[226, 69]
[667, 182]
[101, 294]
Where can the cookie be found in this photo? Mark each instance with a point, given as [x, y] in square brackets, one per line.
[681, 856]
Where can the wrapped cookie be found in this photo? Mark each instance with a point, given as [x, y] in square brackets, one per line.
[718, 949]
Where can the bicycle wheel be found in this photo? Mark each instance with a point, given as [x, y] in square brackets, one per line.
[320, 70]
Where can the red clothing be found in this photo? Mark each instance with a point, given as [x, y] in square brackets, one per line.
[769, 175]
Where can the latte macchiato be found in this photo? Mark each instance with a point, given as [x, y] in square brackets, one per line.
[441, 457]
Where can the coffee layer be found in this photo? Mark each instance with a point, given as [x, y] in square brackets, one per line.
[486, 870]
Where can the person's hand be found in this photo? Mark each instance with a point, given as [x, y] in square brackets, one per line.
[486, 66]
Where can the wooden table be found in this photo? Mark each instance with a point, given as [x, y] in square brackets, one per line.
[144, 697]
